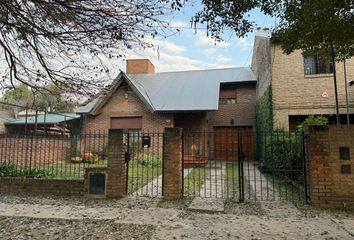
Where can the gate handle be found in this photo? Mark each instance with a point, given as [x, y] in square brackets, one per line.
[127, 157]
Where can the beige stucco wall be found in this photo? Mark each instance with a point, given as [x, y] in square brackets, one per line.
[297, 94]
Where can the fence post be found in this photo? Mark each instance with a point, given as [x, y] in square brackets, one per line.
[240, 167]
[304, 162]
[116, 168]
[172, 167]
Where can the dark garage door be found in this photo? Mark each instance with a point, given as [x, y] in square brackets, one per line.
[126, 122]
[226, 142]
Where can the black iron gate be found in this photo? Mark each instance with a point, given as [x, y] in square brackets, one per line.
[221, 164]
[144, 162]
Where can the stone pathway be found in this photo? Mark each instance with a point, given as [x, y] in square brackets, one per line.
[154, 188]
[259, 186]
[213, 186]
[211, 193]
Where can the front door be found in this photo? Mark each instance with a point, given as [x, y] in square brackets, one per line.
[226, 142]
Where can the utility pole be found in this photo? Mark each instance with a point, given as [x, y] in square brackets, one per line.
[346, 92]
[335, 85]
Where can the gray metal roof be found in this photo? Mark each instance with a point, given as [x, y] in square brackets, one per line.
[88, 107]
[48, 119]
[180, 91]
[6, 118]
[187, 90]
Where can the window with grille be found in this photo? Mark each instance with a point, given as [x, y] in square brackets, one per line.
[227, 96]
[317, 65]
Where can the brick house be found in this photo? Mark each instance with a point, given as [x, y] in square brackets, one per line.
[299, 86]
[205, 101]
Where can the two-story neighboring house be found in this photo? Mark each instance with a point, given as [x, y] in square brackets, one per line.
[299, 86]
[215, 102]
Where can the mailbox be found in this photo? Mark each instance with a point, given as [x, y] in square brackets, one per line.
[146, 141]
[97, 183]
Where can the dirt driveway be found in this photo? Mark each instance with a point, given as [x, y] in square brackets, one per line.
[145, 218]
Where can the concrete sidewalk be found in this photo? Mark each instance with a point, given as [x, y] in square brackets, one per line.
[166, 220]
[154, 188]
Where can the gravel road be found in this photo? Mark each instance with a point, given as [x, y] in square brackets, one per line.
[30, 217]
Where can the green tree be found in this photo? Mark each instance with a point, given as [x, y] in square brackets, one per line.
[314, 25]
[20, 96]
[52, 100]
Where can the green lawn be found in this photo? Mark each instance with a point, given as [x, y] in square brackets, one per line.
[194, 180]
[286, 190]
[68, 170]
[231, 180]
[141, 172]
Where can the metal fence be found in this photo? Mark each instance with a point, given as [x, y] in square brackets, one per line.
[51, 156]
[230, 163]
[144, 162]
[240, 165]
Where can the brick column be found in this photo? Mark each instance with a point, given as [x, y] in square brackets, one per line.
[172, 172]
[318, 161]
[116, 167]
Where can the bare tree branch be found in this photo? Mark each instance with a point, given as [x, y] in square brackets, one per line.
[45, 42]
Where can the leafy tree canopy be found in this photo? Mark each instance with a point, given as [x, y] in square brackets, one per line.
[303, 24]
[46, 42]
[22, 97]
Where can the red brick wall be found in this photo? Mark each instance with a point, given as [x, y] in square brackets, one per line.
[41, 186]
[119, 106]
[172, 168]
[328, 186]
[116, 168]
[44, 150]
[136, 66]
[243, 112]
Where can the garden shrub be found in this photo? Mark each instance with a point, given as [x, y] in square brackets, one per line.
[150, 160]
[10, 170]
[312, 121]
[282, 155]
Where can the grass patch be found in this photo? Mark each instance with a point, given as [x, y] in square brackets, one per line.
[287, 191]
[194, 180]
[143, 170]
[231, 181]
[61, 170]
[69, 170]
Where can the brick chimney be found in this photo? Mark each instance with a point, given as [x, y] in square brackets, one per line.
[136, 66]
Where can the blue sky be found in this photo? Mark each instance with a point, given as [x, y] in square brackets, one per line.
[190, 50]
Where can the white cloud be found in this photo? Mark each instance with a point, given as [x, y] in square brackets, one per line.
[222, 59]
[172, 48]
[171, 62]
[209, 51]
[165, 45]
[243, 44]
[203, 40]
[179, 24]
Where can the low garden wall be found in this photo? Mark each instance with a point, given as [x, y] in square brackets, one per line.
[42, 186]
[331, 163]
